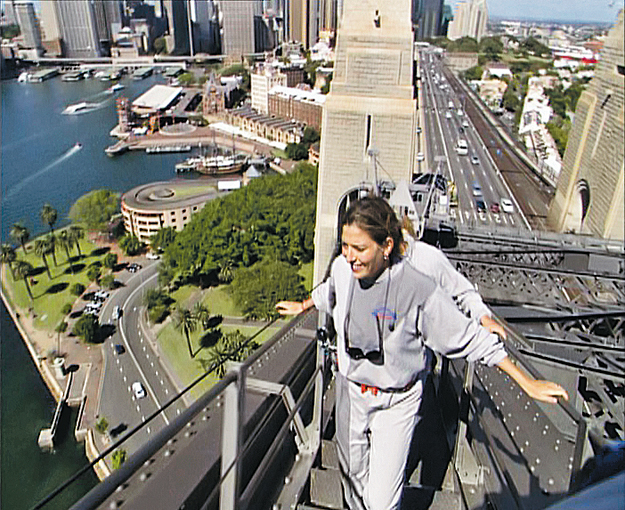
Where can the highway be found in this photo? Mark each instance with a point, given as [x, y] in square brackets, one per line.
[475, 173]
[140, 362]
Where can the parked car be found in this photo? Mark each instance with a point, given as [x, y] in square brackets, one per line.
[152, 256]
[134, 267]
[138, 390]
[119, 349]
[506, 205]
[480, 205]
[494, 207]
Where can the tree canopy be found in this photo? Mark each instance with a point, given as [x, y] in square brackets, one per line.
[95, 209]
[272, 217]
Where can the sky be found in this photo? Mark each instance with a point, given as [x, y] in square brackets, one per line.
[560, 10]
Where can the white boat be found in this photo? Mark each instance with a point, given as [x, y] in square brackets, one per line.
[24, 77]
[116, 87]
[79, 108]
[212, 165]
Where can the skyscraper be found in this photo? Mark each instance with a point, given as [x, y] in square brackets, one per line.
[304, 21]
[10, 16]
[428, 18]
[178, 26]
[370, 109]
[241, 27]
[205, 26]
[589, 195]
[108, 19]
[28, 24]
[470, 20]
[78, 27]
[50, 28]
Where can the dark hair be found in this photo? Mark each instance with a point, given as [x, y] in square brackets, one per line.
[374, 216]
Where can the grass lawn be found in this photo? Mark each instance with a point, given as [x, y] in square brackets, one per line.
[50, 294]
[174, 346]
[185, 191]
[219, 302]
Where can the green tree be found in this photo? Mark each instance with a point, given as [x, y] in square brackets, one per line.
[166, 275]
[77, 289]
[108, 281]
[95, 209]
[160, 45]
[10, 31]
[163, 238]
[110, 260]
[186, 79]
[52, 241]
[534, 47]
[43, 248]
[20, 234]
[23, 270]
[65, 242]
[511, 101]
[130, 245]
[311, 135]
[201, 314]
[49, 216]
[226, 272]
[492, 47]
[102, 425]
[475, 73]
[185, 322]
[8, 256]
[118, 458]
[76, 234]
[86, 328]
[257, 289]
[93, 273]
[296, 151]
[60, 328]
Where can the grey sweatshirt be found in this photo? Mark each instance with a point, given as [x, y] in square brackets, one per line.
[401, 314]
[433, 262]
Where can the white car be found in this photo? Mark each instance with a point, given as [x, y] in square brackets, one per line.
[152, 256]
[448, 115]
[420, 156]
[506, 205]
[138, 390]
[465, 123]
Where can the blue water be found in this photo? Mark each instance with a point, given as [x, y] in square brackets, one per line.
[40, 164]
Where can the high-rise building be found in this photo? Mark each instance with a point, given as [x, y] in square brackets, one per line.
[29, 25]
[10, 16]
[242, 27]
[470, 20]
[108, 17]
[78, 27]
[370, 110]
[328, 16]
[205, 26]
[178, 26]
[304, 21]
[589, 196]
[428, 18]
[262, 81]
[50, 28]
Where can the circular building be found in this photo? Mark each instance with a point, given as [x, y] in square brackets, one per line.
[148, 208]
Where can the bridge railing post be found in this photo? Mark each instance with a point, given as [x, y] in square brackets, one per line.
[231, 438]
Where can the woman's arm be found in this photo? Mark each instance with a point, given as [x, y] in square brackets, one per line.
[294, 307]
[545, 391]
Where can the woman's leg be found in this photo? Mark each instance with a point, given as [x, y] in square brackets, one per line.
[391, 435]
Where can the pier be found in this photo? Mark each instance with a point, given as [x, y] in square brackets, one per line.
[46, 436]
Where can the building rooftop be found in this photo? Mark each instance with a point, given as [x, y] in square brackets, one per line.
[158, 196]
[158, 97]
[299, 94]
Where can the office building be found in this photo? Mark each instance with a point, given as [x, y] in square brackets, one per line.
[78, 28]
[178, 26]
[589, 195]
[370, 110]
[29, 25]
[10, 15]
[427, 17]
[243, 29]
[470, 20]
[262, 81]
[205, 27]
[108, 17]
[50, 29]
[303, 21]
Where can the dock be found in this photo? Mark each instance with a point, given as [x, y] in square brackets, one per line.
[142, 72]
[46, 436]
[43, 75]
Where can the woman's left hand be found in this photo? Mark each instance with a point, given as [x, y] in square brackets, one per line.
[289, 307]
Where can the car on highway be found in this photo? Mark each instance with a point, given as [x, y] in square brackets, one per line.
[480, 205]
[138, 390]
[448, 115]
[475, 160]
[117, 312]
[477, 189]
[134, 267]
[465, 123]
[418, 129]
[119, 349]
[152, 256]
[494, 207]
[506, 205]
[420, 156]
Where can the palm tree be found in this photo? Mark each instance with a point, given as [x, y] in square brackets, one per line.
[218, 357]
[76, 233]
[43, 248]
[66, 243]
[52, 241]
[20, 233]
[8, 256]
[23, 269]
[48, 215]
[185, 322]
[225, 271]
[201, 314]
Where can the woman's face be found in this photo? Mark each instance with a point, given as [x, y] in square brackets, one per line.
[366, 257]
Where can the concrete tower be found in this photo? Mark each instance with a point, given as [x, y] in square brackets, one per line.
[589, 195]
[470, 20]
[79, 33]
[241, 34]
[371, 105]
[29, 25]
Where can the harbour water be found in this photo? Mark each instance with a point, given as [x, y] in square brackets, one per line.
[42, 163]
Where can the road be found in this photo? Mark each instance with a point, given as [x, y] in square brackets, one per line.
[140, 362]
[475, 174]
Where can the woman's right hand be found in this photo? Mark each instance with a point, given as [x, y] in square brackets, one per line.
[289, 307]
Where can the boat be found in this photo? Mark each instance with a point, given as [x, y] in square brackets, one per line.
[73, 76]
[24, 77]
[73, 109]
[212, 165]
[78, 145]
[167, 148]
[116, 87]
